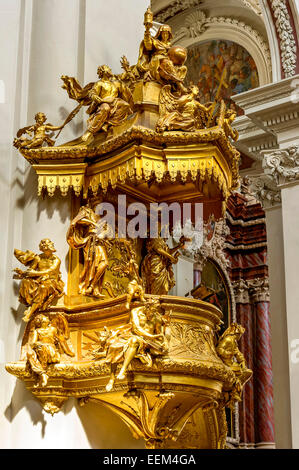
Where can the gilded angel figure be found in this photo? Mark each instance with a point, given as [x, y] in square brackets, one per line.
[41, 282]
[48, 339]
[109, 102]
[228, 350]
[41, 133]
[182, 112]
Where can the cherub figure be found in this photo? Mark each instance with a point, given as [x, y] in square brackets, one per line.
[229, 117]
[47, 340]
[228, 350]
[41, 282]
[40, 132]
[143, 337]
[130, 72]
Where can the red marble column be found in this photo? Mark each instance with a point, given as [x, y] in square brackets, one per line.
[246, 407]
[264, 412]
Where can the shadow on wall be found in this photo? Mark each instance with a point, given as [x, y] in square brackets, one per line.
[22, 398]
[105, 430]
[57, 203]
[46, 208]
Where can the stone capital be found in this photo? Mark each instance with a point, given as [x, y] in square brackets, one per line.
[282, 166]
[264, 188]
[241, 291]
[259, 289]
[251, 290]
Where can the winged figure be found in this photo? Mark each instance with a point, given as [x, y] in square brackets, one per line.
[181, 111]
[109, 101]
[41, 282]
[47, 340]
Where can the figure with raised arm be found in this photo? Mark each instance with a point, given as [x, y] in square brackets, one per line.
[85, 233]
[41, 134]
[41, 282]
[156, 269]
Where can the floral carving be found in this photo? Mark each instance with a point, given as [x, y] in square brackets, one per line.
[286, 35]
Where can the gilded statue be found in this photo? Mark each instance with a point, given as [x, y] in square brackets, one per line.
[83, 233]
[109, 101]
[135, 286]
[157, 59]
[229, 116]
[156, 270]
[181, 111]
[48, 339]
[41, 282]
[130, 73]
[228, 350]
[143, 337]
[41, 134]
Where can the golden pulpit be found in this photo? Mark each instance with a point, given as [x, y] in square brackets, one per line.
[116, 336]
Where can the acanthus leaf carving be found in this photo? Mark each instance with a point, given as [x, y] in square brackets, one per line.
[264, 189]
[283, 165]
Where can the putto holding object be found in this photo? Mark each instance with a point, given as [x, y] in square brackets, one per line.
[41, 134]
[228, 350]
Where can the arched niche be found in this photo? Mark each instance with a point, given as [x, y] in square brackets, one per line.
[243, 36]
[212, 284]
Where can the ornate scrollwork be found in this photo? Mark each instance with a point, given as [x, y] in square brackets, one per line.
[283, 165]
[150, 357]
[264, 188]
[286, 34]
[189, 341]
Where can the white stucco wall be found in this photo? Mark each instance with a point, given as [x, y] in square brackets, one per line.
[40, 41]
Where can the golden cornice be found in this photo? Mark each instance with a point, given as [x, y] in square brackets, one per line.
[63, 176]
[135, 156]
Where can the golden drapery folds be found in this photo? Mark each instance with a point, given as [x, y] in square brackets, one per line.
[228, 350]
[41, 283]
[143, 337]
[108, 106]
[183, 112]
[47, 340]
[156, 269]
[83, 234]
